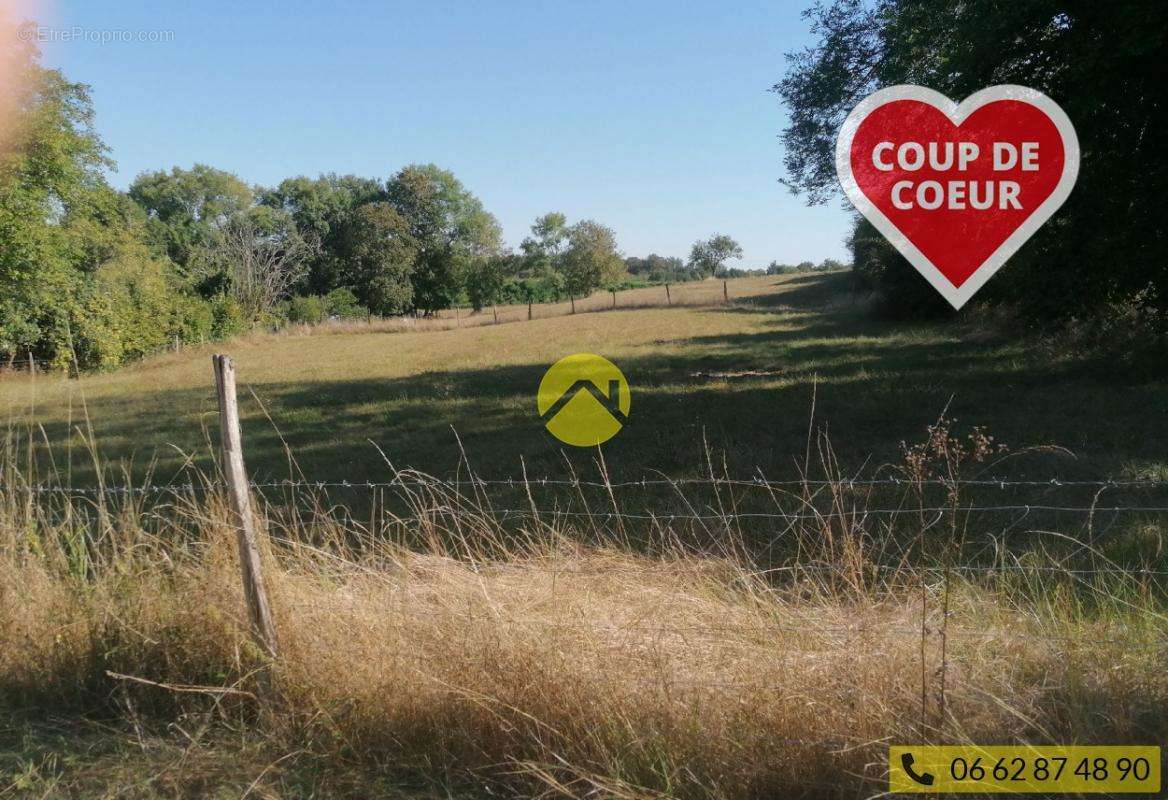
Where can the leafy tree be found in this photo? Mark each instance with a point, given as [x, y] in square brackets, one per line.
[49, 167]
[484, 282]
[133, 304]
[591, 258]
[75, 276]
[708, 257]
[1109, 242]
[452, 230]
[321, 208]
[186, 208]
[549, 238]
[377, 253]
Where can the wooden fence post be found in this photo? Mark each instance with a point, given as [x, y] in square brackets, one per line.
[258, 610]
[725, 292]
[668, 299]
[529, 309]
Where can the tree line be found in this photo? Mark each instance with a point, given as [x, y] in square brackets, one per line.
[96, 276]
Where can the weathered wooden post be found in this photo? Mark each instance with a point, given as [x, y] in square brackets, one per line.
[255, 594]
[668, 299]
[725, 292]
[529, 309]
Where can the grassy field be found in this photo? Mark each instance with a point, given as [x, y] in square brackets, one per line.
[737, 379]
[450, 650]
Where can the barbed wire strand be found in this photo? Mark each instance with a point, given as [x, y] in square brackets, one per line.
[1000, 483]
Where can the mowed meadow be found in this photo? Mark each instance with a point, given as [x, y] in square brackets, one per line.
[610, 642]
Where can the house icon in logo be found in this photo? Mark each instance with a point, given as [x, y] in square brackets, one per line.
[583, 400]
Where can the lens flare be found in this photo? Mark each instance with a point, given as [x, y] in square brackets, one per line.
[18, 47]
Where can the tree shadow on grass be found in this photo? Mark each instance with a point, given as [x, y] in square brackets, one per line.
[746, 397]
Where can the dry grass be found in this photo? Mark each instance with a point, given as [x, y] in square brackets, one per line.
[476, 655]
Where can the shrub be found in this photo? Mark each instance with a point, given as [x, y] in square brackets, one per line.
[228, 318]
[544, 289]
[306, 309]
[131, 306]
[343, 303]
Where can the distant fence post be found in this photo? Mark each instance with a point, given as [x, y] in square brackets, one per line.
[668, 299]
[259, 612]
[725, 292]
[529, 308]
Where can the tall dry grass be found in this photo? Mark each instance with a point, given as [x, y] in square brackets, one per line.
[456, 648]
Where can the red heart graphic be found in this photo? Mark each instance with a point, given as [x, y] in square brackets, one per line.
[957, 189]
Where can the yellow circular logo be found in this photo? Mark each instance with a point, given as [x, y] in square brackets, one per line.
[583, 399]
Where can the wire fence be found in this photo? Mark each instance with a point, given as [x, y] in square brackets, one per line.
[642, 483]
[790, 503]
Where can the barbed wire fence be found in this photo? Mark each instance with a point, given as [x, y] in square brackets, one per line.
[457, 483]
[803, 494]
[943, 643]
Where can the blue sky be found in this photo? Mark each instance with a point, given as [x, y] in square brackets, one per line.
[653, 118]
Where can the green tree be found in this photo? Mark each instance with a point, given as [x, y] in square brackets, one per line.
[1109, 242]
[377, 254]
[591, 258]
[49, 170]
[708, 257]
[549, 238]
[484, 283]
[186, 208]
[75, 275]
[321, 208]
[452, 230]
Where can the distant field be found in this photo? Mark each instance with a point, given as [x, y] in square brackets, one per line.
[739, 378]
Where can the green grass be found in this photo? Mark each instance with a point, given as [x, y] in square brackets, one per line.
[739, 378]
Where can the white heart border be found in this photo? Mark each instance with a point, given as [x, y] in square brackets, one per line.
[957, 113]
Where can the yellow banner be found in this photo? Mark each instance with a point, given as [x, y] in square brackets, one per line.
[1077, 769]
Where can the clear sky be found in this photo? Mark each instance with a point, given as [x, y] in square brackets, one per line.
[654, 118]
